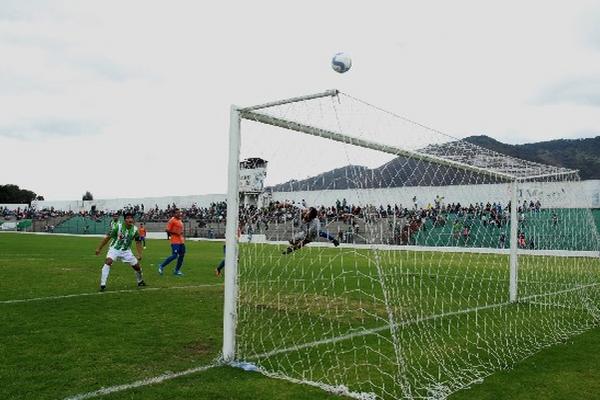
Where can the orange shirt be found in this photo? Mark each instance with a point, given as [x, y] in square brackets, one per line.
[142, 231]
[175, 226]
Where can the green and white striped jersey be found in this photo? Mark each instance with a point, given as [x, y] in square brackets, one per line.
[122, 237]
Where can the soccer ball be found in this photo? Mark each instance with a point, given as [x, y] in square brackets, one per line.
[341, 62]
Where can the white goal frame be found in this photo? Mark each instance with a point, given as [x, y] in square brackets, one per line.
[231, 238]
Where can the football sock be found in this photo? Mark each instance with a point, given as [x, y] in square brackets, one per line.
[138, 273]
[104, 275]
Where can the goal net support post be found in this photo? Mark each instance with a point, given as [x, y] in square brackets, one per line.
[231, 250]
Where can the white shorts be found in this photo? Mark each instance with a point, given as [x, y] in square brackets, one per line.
[124, 255]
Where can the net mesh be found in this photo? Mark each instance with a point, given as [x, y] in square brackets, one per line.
[401, 290]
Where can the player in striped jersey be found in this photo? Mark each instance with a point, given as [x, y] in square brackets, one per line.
[120, 237]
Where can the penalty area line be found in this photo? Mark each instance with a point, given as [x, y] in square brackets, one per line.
[144, 382]
[139, 290]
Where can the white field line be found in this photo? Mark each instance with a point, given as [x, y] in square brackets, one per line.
[151, 235]
[68, 296]
[535, 296]
[539, 303]
[409, 322]
[374, 246]
[144, 382]
[449, 249]
[338, 390]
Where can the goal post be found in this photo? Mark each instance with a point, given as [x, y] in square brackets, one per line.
[417, 278]
[231, 250]
[514, 260]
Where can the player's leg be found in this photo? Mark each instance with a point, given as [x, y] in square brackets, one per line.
[167, 260]
[296, 246]
[181, 254]
[219, 269]
[130, 259]
[106, 270]
[295, 242]
[327, 236]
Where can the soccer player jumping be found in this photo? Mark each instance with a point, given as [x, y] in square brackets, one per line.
[120, 236]
[175, 233]
[311, 230]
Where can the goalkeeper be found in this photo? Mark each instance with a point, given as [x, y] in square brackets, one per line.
[311, 230]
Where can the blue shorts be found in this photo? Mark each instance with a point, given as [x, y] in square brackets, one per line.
[178, 248]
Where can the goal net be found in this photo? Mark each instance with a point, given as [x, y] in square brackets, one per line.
[378, 258]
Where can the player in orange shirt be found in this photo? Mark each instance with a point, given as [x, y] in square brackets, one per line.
[142, 232]
[175, 233]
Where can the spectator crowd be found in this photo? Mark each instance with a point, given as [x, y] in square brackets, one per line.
[403, 221]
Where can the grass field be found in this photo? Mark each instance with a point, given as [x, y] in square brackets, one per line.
[65, 338]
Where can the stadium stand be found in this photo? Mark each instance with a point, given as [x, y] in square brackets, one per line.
[450, 225]
[84, 224]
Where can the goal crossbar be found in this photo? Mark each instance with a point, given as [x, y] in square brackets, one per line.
[339, 137]
[250, 113]
[327, 93]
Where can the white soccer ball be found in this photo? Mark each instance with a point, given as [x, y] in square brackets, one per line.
[341, 62]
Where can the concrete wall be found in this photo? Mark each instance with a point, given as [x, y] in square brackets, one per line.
[148, 202]
[583, 194]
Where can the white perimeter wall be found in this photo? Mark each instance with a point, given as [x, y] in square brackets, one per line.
[117, 204]
[566, 194]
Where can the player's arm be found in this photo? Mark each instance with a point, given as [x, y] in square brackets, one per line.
[110, 235]
[102, 244]
[168, 229]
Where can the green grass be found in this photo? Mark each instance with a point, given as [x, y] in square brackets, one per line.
[55, 348]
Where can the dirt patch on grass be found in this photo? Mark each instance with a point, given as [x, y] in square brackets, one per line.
[199, 348]
[315, 305]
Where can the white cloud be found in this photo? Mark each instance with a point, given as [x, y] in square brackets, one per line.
[582, 91]
[44, 129]
[153, 81]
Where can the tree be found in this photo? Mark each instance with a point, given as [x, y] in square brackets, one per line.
[12, 194]
[87, 196]
[40, 198]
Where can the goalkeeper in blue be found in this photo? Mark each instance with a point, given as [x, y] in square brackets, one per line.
[121, 236]
[311, 230]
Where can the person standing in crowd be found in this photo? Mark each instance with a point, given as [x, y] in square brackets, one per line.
[114, 222]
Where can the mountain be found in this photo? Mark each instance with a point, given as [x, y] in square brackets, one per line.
[399, 172]
[581, 154]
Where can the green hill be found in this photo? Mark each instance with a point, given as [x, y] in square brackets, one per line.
[581, 154]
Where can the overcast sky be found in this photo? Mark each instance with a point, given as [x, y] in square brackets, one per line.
[131, 98]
